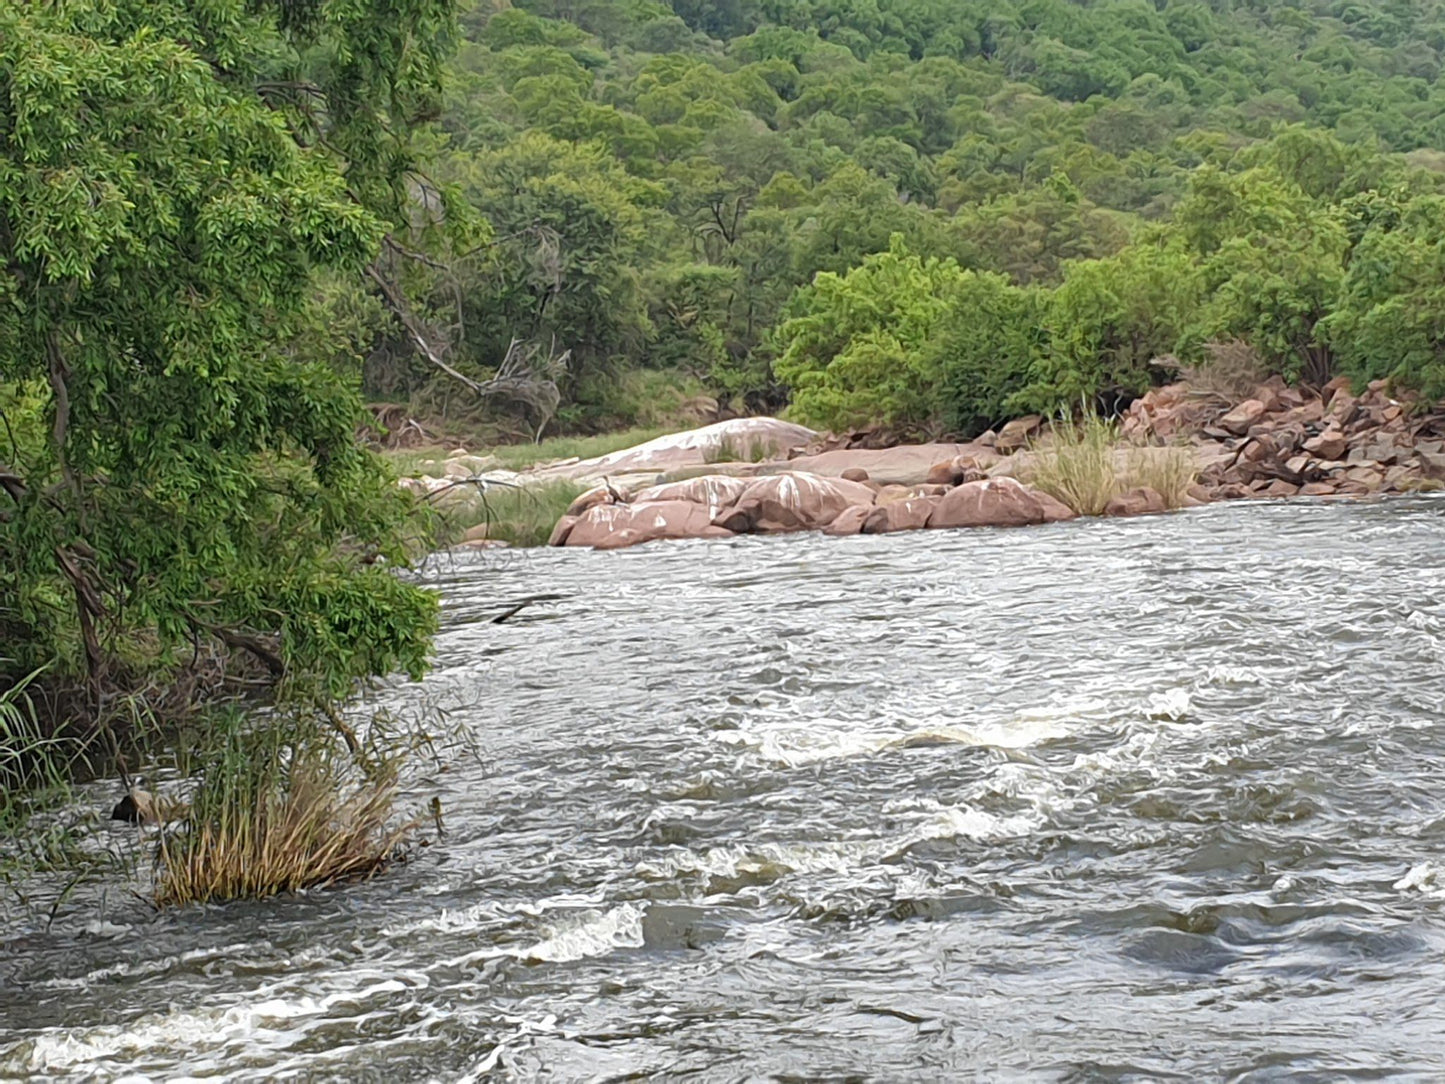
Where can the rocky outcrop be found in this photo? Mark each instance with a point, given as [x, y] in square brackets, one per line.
[792, 502]
[801, 502]
[1284, 442]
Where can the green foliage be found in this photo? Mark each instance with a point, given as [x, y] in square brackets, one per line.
[853, 350]
[1390, 321]
[1108, 319]
[707, 163]
[179, 460]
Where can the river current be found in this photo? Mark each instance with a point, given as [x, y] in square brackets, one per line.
[1108, 800]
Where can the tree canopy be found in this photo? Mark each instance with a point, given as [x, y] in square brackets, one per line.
[177, 465]
[672, 181]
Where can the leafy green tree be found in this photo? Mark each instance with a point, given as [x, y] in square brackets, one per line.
[853, 348]
[1108, 320]
[1273, 263]
[172, 177]
[1390, 318]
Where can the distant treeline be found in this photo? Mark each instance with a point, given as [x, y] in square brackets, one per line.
[1026, 201]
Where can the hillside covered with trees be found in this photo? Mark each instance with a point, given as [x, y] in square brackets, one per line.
[926, 214]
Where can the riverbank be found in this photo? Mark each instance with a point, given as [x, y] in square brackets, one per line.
[1177, 446]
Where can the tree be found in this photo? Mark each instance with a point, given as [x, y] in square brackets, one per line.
[1390, 319]
[173, 175]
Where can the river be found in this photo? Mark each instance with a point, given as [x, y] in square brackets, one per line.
[1107, 800]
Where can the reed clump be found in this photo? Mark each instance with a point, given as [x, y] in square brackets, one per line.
[1086, 465]
[1169, 471]
[279, 809]
[1077, 466]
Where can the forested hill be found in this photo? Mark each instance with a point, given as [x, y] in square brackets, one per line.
[661, 183]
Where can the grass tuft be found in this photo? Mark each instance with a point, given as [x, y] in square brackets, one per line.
[1086, 465]
[278, 809]
[1077, 466]
[1169, 471]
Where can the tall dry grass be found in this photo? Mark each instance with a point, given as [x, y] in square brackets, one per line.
[278, 810]
[1085, 465]
[1169, 471]
[1077, 465]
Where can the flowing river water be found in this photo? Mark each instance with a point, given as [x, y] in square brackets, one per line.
[1150, 799]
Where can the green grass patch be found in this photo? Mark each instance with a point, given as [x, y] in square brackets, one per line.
[519, 515]
[417, 462]
[522, 456]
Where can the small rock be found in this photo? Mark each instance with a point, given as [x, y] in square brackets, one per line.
[1139, 501]
[850, 521]
[1331, 444]
[1432, 463]
[1338, 384]
[1018, 432]
[855, 474]
[1237, 422]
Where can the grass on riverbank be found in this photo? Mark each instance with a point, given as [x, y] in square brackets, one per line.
[517, 515]
[1086, 465]
[518, 457]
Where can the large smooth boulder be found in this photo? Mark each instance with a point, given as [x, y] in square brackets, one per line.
[713, 491]
[742, 440]
[792, 502]
[997, 502]
[615, 526]
[909, 514]
[905, 464]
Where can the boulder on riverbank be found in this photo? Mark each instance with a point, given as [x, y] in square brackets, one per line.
[996, 502]
[615, 526]
[792, 502]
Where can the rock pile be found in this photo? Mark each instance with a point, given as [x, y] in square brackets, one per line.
[1284, 441]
